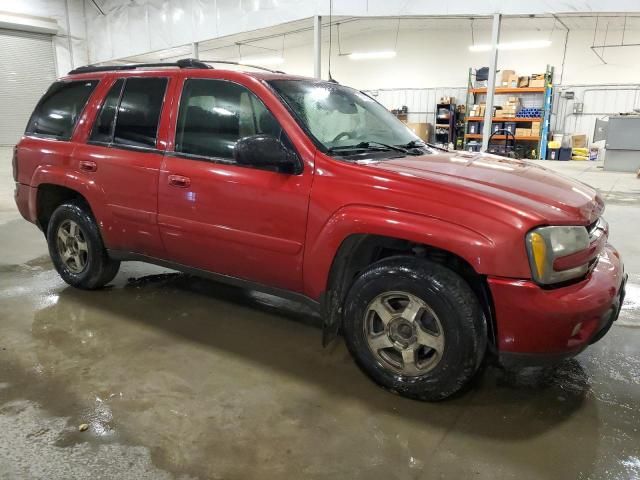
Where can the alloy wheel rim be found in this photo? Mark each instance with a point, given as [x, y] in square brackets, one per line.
[403, 333]
[72, 246]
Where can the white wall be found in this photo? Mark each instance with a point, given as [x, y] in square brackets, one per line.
[131, 28]
[441, 58]
[57, 10]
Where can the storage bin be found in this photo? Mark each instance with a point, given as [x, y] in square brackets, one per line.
[473, 146]
[565, 153]
[474, 127]
[496, 126]
[553, 154]
[510, 126]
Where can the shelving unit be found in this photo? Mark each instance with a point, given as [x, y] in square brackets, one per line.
[545, 106]
[445, 124]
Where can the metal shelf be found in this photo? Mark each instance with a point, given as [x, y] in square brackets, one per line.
[545, 120]
[503, 137]
[507, 90]
[506, 119]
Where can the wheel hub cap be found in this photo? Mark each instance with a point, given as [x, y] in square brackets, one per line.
[404, 333]
[72, 246]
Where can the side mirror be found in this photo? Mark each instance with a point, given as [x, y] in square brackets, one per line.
[267, 152]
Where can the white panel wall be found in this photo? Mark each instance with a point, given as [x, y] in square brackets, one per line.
[57, 10]
[133, 28]
[599, 101]
[421, 102]
[430, 58]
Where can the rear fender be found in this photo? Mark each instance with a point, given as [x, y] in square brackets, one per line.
[88, 188]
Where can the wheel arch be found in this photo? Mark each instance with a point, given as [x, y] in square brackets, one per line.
[53, 185]
[50, 196]
[368, 235]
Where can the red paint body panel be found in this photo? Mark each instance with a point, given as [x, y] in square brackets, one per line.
[285, 230]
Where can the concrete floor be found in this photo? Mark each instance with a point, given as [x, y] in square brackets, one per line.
[179, 377]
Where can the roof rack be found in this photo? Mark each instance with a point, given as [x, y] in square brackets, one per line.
[184, 63]
[226, 62]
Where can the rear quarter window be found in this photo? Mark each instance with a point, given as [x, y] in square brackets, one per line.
[59, 109]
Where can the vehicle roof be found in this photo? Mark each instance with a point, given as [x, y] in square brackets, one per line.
[214, 73]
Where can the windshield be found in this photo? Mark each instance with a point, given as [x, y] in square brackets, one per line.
[340, 117]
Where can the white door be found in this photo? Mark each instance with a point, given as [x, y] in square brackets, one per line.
[27, 68]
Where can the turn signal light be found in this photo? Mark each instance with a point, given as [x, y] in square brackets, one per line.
[539, 251]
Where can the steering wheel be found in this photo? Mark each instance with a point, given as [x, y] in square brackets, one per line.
[342, 134]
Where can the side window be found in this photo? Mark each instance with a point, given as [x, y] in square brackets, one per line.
[215, 114]
[60, 108]
[138, 114]
[103, 127]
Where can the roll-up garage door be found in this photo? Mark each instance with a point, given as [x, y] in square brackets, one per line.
[27, 69]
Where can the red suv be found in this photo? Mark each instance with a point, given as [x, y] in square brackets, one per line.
[425, 259]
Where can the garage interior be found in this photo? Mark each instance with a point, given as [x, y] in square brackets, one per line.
[166, 375]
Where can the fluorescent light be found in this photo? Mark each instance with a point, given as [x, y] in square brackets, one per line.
[262, 60]
[512, 45]
[369, 55]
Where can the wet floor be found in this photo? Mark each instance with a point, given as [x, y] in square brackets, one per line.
[179, 377]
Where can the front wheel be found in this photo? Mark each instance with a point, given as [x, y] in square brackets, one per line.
[415, 327]
[76, 248]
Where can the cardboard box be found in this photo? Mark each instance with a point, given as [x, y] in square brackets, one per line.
[578, 141]
[504, 77]
[523, 82]
[535, 125]
[537, 80]
[422, 130]
[512, 82]
[523, 132]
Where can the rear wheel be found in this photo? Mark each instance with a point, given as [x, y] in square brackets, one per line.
[415, 327]
[76, 247]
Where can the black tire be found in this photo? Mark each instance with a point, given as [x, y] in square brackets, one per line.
[459, 314]
[98, 268]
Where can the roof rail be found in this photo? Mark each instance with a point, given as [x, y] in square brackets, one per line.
[184, 63]
[226, 62]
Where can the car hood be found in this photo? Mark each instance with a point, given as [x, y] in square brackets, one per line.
[515, 183]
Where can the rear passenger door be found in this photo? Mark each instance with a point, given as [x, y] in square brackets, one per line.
[217, 215]
[122, 157]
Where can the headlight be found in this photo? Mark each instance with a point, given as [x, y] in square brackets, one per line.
[546, 244]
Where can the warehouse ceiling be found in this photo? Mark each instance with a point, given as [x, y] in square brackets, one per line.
[299, 33]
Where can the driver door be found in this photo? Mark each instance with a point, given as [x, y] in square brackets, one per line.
[222, 217]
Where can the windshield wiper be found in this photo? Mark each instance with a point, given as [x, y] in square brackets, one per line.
[413, 144]
[369, 145]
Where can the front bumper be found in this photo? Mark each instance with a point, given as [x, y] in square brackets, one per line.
[537, 325]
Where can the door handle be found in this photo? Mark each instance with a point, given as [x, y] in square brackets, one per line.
[179, 181]
[88, 165]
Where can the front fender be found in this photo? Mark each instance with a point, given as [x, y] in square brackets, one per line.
[477, 249]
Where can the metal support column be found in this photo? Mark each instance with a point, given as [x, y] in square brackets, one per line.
[317, 45]
[491, 85]
[195, 53]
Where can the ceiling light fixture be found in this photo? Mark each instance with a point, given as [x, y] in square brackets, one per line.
[262, 60]
[524, 45]
[372, 55]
